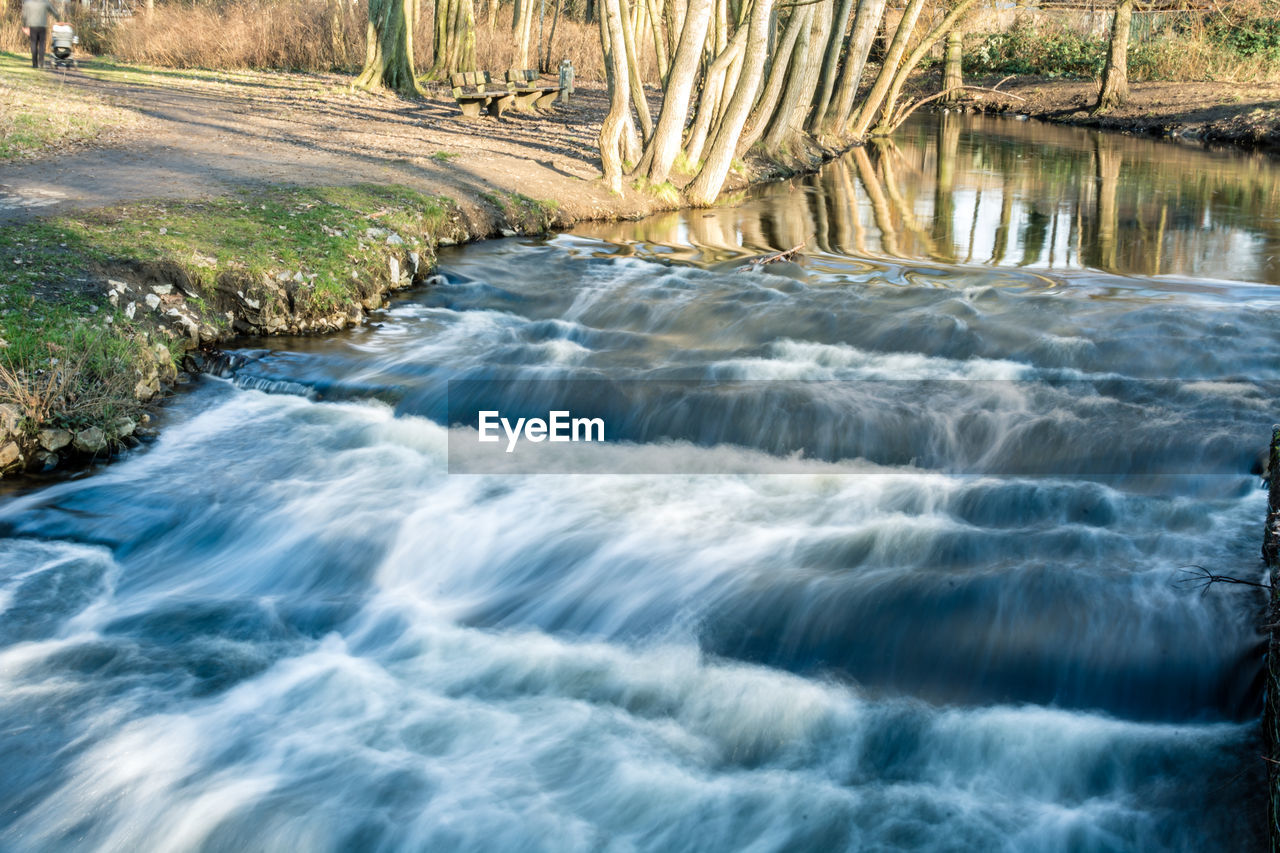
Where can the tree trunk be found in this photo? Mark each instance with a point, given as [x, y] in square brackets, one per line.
[388, 59]
[827, 82]
[664, 145]
[713, 89]
[614, 126]
[953, 75]
[904, 71]
[659, 46]
[871, 106]
[706, 186]
[524, 33]
[463, 36]
[866, 23]
[764, 109]
[788, 120]
[551, 39]
[633, 76]
[1115, 78]
[439, 38]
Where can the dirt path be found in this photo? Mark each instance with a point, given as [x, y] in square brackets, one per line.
[205, 133]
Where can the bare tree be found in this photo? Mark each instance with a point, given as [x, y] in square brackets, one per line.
[866, 23]
[613, 130]
[706, 186]
[388, 59]
[953, 75]
[664, 145]
[904, 71]
[888, 69]
[1115, 77]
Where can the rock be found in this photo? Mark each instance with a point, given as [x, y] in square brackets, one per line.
[124, 427]
[252, 303]
[299, 277]
[395, 240]
[507, 232]
[116, 285]
[91, 440]
[446, 241]
[375, 233]
[153, 301]
[53, 439]
[414, 261]
[394, 263]
[162, 289]
[10, 418]
[145, 389]
[46, 461]
[113, 297]
[9, 455]
[93, 309]
[130, 310]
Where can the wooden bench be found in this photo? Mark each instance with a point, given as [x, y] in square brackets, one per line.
[473, 90]
[523, 83]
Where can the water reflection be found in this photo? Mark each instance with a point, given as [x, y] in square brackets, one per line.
[989, 190]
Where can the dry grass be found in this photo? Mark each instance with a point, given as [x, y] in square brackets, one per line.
[285, 34]
[304, 35]
[41, 115]
[1237, 43]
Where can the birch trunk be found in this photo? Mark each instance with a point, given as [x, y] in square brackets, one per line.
[664, 145]
[871, 106]
[866, 23]
[706, 186]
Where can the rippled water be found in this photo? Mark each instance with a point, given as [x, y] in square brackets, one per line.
[284, 626]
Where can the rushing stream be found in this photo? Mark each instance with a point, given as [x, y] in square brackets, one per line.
[286, 626]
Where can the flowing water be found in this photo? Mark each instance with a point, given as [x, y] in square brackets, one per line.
[286, 626]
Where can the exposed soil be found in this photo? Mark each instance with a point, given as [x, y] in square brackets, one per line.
[208, 132]
[1245, 114]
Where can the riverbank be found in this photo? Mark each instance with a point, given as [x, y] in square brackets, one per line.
[188, 207]
[217, 204]
[1238, 114]
[102, 310]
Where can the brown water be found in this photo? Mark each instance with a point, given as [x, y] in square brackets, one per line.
[992, 191]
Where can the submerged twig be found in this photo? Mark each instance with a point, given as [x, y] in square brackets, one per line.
[755, 265]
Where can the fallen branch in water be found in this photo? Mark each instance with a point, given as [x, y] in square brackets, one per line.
[1204, 577]
[755, 265]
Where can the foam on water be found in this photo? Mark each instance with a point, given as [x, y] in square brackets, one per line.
[286, 626]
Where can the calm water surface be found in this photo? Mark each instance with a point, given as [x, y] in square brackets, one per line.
[286, 627]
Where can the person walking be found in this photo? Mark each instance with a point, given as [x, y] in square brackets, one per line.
[36, 15]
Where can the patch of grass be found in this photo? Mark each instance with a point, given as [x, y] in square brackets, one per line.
[684, 166]
[66, 357]
[665, 192]
[444, 156]
[323, 233]
[531, 213]
[69, 357]
[39, 114]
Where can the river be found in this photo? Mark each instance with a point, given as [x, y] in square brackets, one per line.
[286, 625]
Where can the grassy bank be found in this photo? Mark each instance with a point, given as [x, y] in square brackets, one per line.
[41, 115]
[99, 309]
